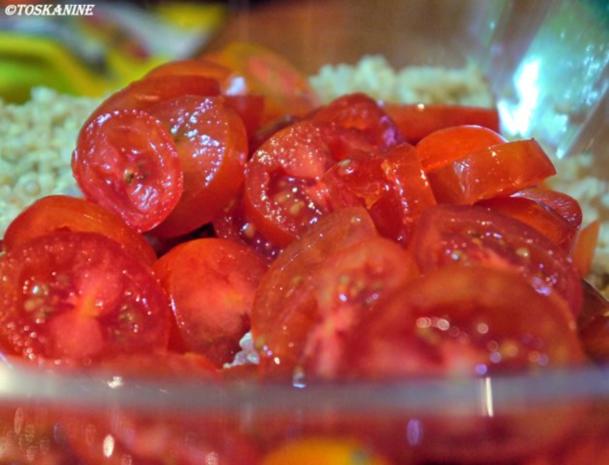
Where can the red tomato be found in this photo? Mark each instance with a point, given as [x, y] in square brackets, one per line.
[357, 115]
[393, 188]
[441, 147]
[285, 290]
[212, 147]
[593, 324]
[153, 90]
[211, 318]
[285, 89]
[226, 78]
[250, 109]
[470, 236]
[127, 162]
[460, 321]
[277, 180]
[233, 224]
[60, 212]
[349, 285]
[498, 170]
[76, 297]
[584, 248]
[417, 121]
[537, 216]
[566, 206]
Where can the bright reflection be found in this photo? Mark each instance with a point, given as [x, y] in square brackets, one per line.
[108, 446]
[487, 397]
[517, 118]
[115, 382]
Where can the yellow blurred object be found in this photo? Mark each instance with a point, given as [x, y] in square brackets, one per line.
[192, 16]
[322, 451]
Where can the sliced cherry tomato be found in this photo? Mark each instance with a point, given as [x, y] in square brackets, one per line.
[211, 318]
[142, 94]
[536, 215]
[277, 179]
[470, 236]
[417, 121]
[566, 206]
[357, 115]
[585, 246]
[392, 187]
[127, 162]
[498, 170]
[323, 450]
[350, 285]
[285, 291]
[441, 147]
[212, 146]
[60, 212]
[250, 109]
[270, 129]
[73, 296]
[233, 224]
[460, 321]
[229, 82]
[593, 324]
[285, 89]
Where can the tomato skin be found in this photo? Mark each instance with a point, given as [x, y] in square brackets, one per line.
[211, 318]
[391, 186]
[417, 121]
[212, 146]
[445, 145]
[127, 162]
[143, 94]
[564, 205]
[593, 324]
[285, 89]
[412, 336]
[277, 179]
[285, 289]
[496, 171]
[585, 247]
[469, 236]
[61, 212]
[77, 297]
[225, 78]
[539, 217]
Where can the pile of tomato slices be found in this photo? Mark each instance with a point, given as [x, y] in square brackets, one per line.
[354, 239]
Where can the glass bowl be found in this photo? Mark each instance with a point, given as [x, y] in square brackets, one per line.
[547, 64]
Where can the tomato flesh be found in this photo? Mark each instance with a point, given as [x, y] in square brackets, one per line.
[285, 290]
[127, 162]
[61, 212]
[79, 296]
[470, 236]
[564, 205]
[212, 145]
[417, 121]
[462, 322]
[441, 147]
[211, 318]
[498, 170]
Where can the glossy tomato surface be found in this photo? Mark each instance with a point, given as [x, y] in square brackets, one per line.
[286, 292]
[212, 146]
[211, 285]
[127, 162]
[64, 213]
[77, 297]
[472, 236]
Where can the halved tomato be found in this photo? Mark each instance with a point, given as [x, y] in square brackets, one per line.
[213, 317]
[417, 121]
[61, 212]
[462, 321]
[498, 170]
[212, 145]
[565, 205]
[277, 179]
[286, 291]
[441, 147]
[77, 297]
[476, 236]
[127, 162]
